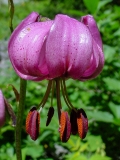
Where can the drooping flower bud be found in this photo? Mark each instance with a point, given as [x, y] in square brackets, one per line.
[32, 123]
[50, 115]
[73, 121]
[65, 127]
[82, 123]
[2, 109]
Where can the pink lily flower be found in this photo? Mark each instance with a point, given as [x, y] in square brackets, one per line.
[56, 48]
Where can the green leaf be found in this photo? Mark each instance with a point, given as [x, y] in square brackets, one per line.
[101, 116]
[35, 151]
[91, 5]
[97, 142]
[109, 53]
[103, 3]
[112, 84]
[99, 157]
[115, 110]
[76, 156]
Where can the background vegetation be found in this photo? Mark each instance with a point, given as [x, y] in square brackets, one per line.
[100, 98]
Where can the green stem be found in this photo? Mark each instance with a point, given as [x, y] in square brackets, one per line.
[11, 11]
[23, 84]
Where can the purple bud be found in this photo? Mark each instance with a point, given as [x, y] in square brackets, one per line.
[2, 109]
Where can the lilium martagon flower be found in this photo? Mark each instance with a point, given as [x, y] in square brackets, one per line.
[57, 50]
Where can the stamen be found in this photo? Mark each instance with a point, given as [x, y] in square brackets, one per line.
[42, 103]
[65, 95]
[52, 94]
[59, 107]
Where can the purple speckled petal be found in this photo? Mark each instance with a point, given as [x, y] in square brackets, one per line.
[97, 59]
[96, 65]
[33, 17]
[89, 21]
[2, 109]
[26, 53]
[68, 47]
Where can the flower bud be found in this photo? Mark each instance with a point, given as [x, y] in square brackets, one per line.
[82, 123]
[2, 109]
[65, 127]
[32, 123]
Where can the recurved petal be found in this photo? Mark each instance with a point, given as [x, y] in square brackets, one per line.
[68, 47]
[89, 21]
[27, 53]
[2, 109]
[33, 17]
[82, 122]
[96, 65]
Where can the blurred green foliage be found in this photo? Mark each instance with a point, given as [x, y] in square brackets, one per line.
[99, 97]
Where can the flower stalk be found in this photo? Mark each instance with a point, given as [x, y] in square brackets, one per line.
[23, 84]
[11, 10]
[20, 112]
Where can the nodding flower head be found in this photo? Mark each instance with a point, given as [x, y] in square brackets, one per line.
[2, 109]
[57, 50]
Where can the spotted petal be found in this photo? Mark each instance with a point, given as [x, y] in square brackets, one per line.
[89, 21]
[97, 58]
[25, 48]
[68, 47]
